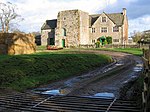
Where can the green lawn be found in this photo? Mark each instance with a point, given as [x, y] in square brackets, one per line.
[27, 71]
[41, 48]
[135, 51]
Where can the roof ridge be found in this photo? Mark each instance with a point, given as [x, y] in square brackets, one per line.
[94, 14]
[51, 19]
[112, 19]
[115, 13]
[109, 17]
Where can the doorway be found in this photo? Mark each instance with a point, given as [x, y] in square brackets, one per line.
[63, 42]
[52, 41]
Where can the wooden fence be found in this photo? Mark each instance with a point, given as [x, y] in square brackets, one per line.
[146, 90]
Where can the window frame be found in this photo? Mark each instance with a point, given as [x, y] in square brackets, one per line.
[64, 33]
[114, 40]
[93, 40]
[104, 20]
[115, 30]
[104, 29]
[93, 30]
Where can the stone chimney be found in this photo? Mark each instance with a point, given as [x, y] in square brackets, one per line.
[124, 11]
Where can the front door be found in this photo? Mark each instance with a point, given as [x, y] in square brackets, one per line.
[51, 41]
[63, 42]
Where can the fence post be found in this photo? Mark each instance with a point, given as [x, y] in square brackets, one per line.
[146, 92]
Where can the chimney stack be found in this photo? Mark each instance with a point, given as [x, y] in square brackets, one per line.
[124, 11]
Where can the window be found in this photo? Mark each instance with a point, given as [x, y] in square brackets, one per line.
[103, 19]
[104, 30]
[93, 41]
[115, 29]
[115, 40]
[63, 32]
[93, 30]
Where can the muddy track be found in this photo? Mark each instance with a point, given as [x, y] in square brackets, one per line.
[107, 79]
[85, 87]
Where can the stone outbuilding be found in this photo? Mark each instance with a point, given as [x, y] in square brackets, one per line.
[74, 28]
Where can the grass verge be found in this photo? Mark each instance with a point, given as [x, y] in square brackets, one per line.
[27, 71]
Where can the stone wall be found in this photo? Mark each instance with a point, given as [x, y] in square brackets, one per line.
[76, 25]
[84, 28]
[15, 43]
[68, 20]
[46, 35]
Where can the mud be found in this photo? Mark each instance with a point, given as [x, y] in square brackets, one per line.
[84, 85]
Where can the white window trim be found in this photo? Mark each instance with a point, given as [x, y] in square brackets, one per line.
[101, 29]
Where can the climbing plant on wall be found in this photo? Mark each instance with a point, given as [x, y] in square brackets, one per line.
[109, 40]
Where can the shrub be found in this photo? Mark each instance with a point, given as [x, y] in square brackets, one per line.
[97, 44]
[109, 40]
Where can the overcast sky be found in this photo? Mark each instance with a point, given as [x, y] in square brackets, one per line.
[35, 12]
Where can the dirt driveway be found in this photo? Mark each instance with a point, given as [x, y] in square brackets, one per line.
[107, 80]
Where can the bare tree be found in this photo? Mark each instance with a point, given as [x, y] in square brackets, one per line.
[136, 36]
[7, 15]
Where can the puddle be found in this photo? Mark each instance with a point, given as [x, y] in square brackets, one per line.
[63, 91]
[40, 90]
[104, 95]
[119, 64]
[137, 69]
[133, 77]
[108, 69]
[140, 65]
[52, 92]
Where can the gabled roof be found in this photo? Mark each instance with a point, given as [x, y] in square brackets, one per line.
[116, 18]
[49, 24]
[93, 18]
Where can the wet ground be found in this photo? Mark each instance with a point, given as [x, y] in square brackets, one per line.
[102, 82]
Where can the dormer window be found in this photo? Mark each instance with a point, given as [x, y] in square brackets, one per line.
[103, 19]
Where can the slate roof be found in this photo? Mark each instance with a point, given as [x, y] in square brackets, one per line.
[147, 31]
[116, 18]
[49, 24]
[93, 18]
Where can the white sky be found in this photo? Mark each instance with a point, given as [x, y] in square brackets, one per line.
[35, 12]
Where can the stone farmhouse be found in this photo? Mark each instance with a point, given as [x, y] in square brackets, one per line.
[77, 28]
